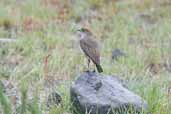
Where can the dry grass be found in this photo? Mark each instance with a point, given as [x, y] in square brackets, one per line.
[46, 47]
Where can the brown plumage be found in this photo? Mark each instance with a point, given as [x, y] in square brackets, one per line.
[90, 48]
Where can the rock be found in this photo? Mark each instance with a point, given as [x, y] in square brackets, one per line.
[94, 93]
[117, 53]
[7, 40]
[133, 40]
[54, 99]
[11, 90]
[163, 3]
[146, 20]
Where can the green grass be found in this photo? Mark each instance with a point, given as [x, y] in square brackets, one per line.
[114, 25]
[5, 104]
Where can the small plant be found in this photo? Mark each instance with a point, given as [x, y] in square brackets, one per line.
[4, 101]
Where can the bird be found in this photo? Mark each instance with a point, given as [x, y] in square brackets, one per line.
[90, 47]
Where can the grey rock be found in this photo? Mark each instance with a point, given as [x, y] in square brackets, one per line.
[146, 21]
[97, 94]
[147, 18]
[54, 99]
[116, 53]
[133, 40]
[11, 91]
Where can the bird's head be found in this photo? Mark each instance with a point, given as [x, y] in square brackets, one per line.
[83, 32]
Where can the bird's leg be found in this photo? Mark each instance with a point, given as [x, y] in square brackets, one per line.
[94, 70]
[88, 64]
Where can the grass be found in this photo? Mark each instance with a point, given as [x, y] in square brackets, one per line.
[48, 28]
[4, 102]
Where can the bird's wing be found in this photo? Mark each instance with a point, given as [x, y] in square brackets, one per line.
[90, 49]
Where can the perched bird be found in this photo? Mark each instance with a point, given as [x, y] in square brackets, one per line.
[90, 47]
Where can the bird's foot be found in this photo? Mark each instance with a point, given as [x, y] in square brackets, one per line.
[86, 71]
[89, 71]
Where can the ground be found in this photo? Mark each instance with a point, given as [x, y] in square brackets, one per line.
[45, 52]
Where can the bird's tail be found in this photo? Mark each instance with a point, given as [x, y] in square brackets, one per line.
[99, 68]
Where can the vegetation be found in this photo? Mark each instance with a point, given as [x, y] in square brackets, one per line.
[46, 48]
